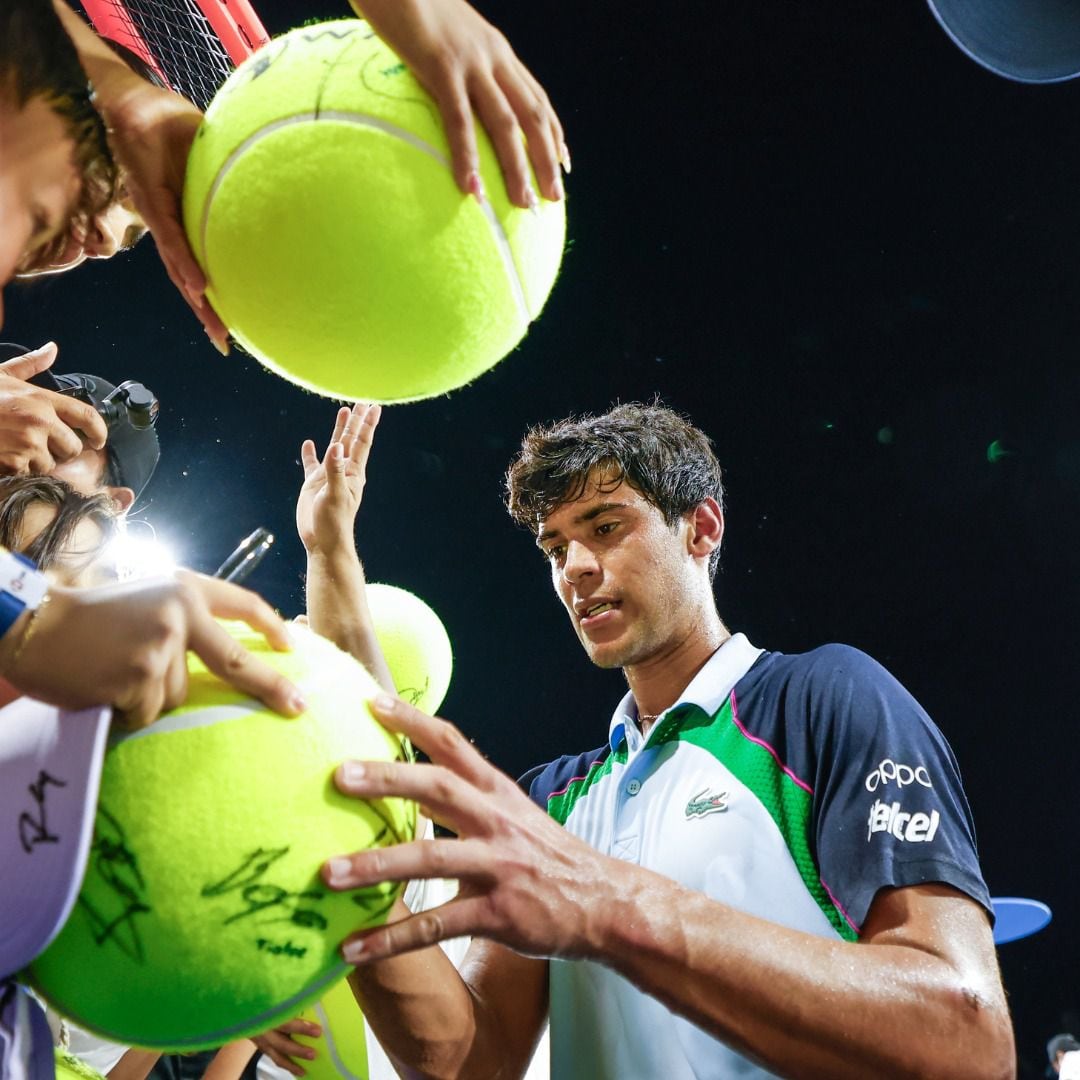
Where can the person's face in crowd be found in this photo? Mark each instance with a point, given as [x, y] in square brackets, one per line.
[81, 563]
[625, 577]
[86, 474]
[39, 183]
[116, 229]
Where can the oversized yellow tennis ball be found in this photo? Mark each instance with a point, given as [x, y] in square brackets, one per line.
[202, 915]
[321, 205]
[341, 1049]
[414, 643]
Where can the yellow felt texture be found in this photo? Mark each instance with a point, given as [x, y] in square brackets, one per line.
[341, 1049]
[202, 915]
[415, 644]
[320, 203]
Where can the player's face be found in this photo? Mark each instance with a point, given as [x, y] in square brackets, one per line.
[39, 183]
[625, 577]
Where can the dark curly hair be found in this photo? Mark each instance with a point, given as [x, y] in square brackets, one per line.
[38, 59]
[655, 450]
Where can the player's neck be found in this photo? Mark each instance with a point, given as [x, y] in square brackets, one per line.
[657, 682]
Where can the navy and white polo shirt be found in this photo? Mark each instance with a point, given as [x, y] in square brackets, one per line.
[790, 787]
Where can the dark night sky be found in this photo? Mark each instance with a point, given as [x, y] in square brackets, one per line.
[808, 226]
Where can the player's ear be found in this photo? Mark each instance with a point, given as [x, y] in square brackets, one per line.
[122, 496]
[706, 530]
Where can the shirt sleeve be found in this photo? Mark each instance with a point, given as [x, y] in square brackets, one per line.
[889, 806]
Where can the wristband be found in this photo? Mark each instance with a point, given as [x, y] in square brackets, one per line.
[22, 587]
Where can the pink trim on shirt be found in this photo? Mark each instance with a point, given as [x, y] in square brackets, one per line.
[761, 742]
[839, 907]
[574, 780]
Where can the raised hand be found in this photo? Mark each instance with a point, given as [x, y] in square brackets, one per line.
[333, 487]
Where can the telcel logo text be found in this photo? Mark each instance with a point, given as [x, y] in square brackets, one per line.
[891, 818]
[889, 771]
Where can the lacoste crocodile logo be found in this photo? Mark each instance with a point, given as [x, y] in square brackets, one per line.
[703, 803]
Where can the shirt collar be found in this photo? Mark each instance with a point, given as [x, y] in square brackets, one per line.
[708, 689]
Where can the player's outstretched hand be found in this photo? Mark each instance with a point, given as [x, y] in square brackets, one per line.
[469, 67]
[333, 488]
[524, 880]
[126, 645]
[281, 1048]
[40, 429]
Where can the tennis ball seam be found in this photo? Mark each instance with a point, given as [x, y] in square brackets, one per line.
[498, 234]
[331, 1043]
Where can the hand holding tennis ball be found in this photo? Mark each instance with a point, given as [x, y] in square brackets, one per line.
[321, 203]
[468, 67]
[202, 917]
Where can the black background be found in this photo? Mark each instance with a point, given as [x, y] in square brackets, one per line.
[848, 253]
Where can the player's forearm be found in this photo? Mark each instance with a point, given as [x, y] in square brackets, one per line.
[337, 608]
[806, 1006]
[422, 1012]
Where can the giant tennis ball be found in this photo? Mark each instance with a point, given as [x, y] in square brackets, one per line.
[414, 643]
[202, 915]
[321, 205]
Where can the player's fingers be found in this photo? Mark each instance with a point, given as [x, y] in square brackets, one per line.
[228, 601]
[229, 660]
[534, 115]
[447, 798]
[309, 459]
[502, 126]
[455, 918]
[452, 97]
[418, 860]
[440, 740]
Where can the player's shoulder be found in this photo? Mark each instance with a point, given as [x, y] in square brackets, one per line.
[543, 782]
[832, 667]
[833, 685]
